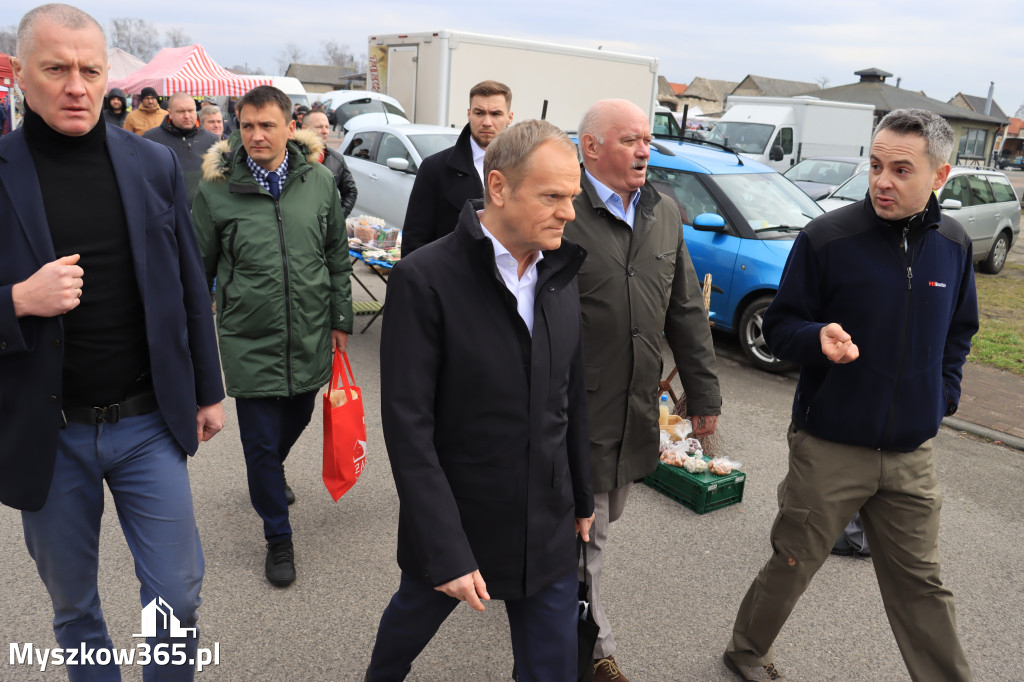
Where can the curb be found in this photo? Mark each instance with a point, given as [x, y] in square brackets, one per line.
[999, 437]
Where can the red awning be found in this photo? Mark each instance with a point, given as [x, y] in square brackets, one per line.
[187, 69]
[6, 72]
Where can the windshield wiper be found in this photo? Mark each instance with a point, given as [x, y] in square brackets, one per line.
[779, 228]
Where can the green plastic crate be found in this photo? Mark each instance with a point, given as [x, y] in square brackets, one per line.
[701, 492]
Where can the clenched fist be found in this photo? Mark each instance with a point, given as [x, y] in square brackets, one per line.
[52, 290]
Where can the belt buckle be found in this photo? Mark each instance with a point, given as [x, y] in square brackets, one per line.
[111, 414]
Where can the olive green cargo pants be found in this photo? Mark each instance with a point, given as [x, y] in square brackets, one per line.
[899, 499]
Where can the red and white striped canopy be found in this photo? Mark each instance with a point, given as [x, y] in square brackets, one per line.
[187, 69]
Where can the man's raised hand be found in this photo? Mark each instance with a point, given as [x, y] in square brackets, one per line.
[52, 290]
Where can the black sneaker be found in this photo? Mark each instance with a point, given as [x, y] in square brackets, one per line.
[280, 563]
[288, 494]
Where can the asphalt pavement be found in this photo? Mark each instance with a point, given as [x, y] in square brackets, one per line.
[673, 580]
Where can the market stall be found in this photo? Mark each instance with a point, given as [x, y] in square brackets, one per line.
[375, 245]
[122, 64]
[187, 69]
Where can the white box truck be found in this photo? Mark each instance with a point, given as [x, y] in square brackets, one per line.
[431, 75]
[780, 131]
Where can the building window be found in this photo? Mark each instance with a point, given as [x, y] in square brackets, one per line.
[972, 143]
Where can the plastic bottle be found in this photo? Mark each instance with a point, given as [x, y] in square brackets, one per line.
[664, 406]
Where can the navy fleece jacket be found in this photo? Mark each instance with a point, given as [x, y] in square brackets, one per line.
[912, 315]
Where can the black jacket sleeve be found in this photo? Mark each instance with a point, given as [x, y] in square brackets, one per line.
[412, 338]
[346, 187]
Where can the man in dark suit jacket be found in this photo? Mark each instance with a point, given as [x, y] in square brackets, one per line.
[103, 302]
[445, 180]
[484, 411]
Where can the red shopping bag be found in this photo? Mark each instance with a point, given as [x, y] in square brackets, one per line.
[344, 429]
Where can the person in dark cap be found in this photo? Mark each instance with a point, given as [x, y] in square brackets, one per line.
[300, 113]
[148, 115]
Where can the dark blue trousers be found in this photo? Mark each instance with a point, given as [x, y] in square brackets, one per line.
[269, 428]
[543, 629]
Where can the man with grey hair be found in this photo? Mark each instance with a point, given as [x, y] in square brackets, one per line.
[212, 119]
[877, 305]
[178, 132]
[637, 282]
[485, 421]
[107, 341]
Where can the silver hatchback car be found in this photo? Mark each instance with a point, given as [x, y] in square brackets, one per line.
[983, 201]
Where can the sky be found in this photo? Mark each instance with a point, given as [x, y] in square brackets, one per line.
[941, 47]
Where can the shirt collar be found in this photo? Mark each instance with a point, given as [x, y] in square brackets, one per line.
[500, 252]
[260, 173]
[606, 194]
[478, 151]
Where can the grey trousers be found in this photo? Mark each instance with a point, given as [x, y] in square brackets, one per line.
[608, 507]
[899, 501]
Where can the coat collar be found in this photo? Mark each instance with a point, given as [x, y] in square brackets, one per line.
[18, 172]
[566, 259]
[461, 158]
[19, 178]
[644, 220]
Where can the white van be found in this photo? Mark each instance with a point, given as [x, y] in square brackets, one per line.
[291, 87]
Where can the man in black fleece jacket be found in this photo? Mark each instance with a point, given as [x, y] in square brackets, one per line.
[189, 142]
[877, 305]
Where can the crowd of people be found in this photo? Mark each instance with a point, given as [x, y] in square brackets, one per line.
[549, 281]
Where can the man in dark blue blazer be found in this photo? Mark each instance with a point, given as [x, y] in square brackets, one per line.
[108, 359]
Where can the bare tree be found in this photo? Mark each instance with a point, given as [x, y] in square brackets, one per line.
[135, 36]
[176, 37]
[291, 54]
[247, 70]
[822, 81]
[1020, 112]
[335, 54]
[8, 39]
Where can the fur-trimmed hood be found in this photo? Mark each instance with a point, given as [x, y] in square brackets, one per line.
[218, 159]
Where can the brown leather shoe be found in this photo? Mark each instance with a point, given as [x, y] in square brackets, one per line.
[753, 673]
[607, 670]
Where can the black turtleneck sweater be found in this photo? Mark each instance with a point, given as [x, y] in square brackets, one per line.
[105, 349]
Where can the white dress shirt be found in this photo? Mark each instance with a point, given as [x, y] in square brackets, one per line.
[523, 288]
[478, 160]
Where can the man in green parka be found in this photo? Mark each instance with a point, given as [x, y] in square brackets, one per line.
[271, 229]
[636, 283]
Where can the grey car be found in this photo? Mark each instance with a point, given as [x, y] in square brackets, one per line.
[819, 176]
[983, 201]
[384, 160]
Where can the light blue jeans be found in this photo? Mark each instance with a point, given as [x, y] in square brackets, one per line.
[146, 472]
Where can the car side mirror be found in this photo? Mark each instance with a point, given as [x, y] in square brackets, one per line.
[399, 164]
[951, 204]
[776, 153]
[709, 222]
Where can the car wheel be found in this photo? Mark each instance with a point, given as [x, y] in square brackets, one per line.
[752, 338]
[996, 258]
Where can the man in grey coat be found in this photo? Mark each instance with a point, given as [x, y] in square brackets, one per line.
[636, 283]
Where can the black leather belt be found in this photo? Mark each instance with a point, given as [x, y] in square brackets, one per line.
[111, 414]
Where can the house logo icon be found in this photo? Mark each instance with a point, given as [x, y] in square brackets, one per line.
[159, 613]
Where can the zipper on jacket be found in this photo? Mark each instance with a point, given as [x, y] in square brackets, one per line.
[231, 275]
[908, 260]
[287, 297]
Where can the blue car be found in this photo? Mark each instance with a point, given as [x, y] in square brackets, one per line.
[740, 218]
